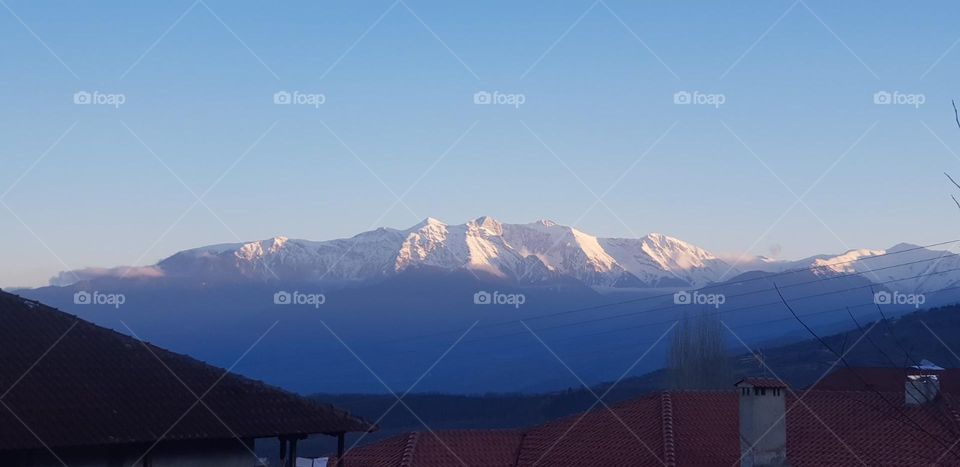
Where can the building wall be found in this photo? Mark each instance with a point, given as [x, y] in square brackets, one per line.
[215, 453]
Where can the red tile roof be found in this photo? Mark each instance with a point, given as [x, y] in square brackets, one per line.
[493, 448]
[884, 379]
[391, 452]
[701, 428]
[599, 438]
[98, 387]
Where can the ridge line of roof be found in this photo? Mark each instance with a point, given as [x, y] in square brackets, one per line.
[409, 449]
[666, 418]
[523, 437]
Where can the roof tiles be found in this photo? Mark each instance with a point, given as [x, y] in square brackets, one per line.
[701, 428]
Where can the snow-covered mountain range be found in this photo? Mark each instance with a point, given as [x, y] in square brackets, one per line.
[534, 253]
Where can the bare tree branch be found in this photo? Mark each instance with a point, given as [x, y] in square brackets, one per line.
[952, 180]
[956, 116]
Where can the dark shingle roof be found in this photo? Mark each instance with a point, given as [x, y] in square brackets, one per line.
[96, 386]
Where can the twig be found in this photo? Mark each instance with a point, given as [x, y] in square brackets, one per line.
[956, 117]
[952, 180]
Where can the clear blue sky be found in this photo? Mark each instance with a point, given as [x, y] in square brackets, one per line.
[199, 93]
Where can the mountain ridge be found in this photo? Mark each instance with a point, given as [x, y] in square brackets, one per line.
[540, 252]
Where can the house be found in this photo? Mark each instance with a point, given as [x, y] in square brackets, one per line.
[72, 393]
[760, 422]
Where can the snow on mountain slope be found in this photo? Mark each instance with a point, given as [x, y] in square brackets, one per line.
[657, 257]
[569, 252]
[538, 252]
[904, 267]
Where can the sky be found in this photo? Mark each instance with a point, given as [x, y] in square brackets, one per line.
[785, 148]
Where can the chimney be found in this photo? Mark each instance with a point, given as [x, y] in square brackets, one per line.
[922, 384]
[921, 389]
[763, 425]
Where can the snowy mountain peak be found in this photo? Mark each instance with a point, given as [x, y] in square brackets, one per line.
[254, 250]
[663, 239]
[845, 263]
[429, 222]
[546, 222]
[489, 225]
[670, 252]
[538, 252]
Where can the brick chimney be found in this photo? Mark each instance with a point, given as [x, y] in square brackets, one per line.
[763, 426]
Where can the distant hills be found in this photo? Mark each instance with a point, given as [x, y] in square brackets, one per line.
[499, 302]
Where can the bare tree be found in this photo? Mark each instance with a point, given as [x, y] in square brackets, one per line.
[956, 118]
[697, 358]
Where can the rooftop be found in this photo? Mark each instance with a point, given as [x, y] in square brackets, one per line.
[766, 383]
[68, 382]
[700, 428]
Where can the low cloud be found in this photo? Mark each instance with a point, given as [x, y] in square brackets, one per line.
[131, 272]
[775, 250]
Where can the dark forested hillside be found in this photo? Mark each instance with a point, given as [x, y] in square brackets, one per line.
[903, 341]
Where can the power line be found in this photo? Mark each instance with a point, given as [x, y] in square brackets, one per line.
[399, 353]
[722, 284]
[634, 344]
[862, 380]
[634, 313]
[906, 376]
[662, 308]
